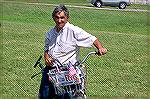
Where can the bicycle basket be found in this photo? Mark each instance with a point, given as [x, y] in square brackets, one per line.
[66, 80]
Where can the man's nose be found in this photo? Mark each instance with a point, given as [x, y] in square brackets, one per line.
[59, 20]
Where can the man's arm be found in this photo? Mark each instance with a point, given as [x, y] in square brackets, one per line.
[101, 49]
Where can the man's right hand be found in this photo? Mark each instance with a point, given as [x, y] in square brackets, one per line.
[48, 59]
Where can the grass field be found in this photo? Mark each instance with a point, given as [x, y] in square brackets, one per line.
[123, 73]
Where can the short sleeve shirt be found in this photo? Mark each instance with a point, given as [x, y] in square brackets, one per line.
[65, 45]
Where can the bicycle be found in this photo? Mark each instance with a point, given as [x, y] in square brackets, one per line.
[68, 79]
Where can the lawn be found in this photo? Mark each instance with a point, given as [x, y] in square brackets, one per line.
[121, 73]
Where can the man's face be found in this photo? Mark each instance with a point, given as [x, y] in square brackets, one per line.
[60, 19]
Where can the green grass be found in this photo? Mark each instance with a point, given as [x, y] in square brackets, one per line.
[114, 21]
[121, 73]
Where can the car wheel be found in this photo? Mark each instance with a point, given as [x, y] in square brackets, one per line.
[98, 4]
[122, 5]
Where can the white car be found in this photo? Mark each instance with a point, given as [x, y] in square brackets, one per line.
[122, 4]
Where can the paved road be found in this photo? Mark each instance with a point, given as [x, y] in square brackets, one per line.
[133, 10]
[73, 6]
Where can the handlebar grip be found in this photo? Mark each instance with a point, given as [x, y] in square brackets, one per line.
[38, 61]
[96, 52]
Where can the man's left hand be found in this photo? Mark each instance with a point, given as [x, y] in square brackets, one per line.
[102, 51]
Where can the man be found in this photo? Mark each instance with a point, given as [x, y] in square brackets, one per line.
[63, 42]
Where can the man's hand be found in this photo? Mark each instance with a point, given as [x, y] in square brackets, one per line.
[102, 51]
[48, 59]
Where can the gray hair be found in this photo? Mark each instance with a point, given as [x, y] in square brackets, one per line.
[60, 8]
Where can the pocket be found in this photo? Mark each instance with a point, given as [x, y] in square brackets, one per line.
[66, 47]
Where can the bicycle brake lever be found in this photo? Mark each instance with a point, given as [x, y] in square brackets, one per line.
[37, 62]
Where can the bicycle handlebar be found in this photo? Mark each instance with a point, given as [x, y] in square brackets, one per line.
[42, 67]
[85, 58]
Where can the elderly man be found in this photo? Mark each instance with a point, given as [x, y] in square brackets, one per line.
[63, 42]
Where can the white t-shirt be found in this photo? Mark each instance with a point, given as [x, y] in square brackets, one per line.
[65, 45]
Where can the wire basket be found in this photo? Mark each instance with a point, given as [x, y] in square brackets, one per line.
[67, 79]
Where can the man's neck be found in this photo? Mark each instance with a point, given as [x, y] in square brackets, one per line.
[57, 29]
